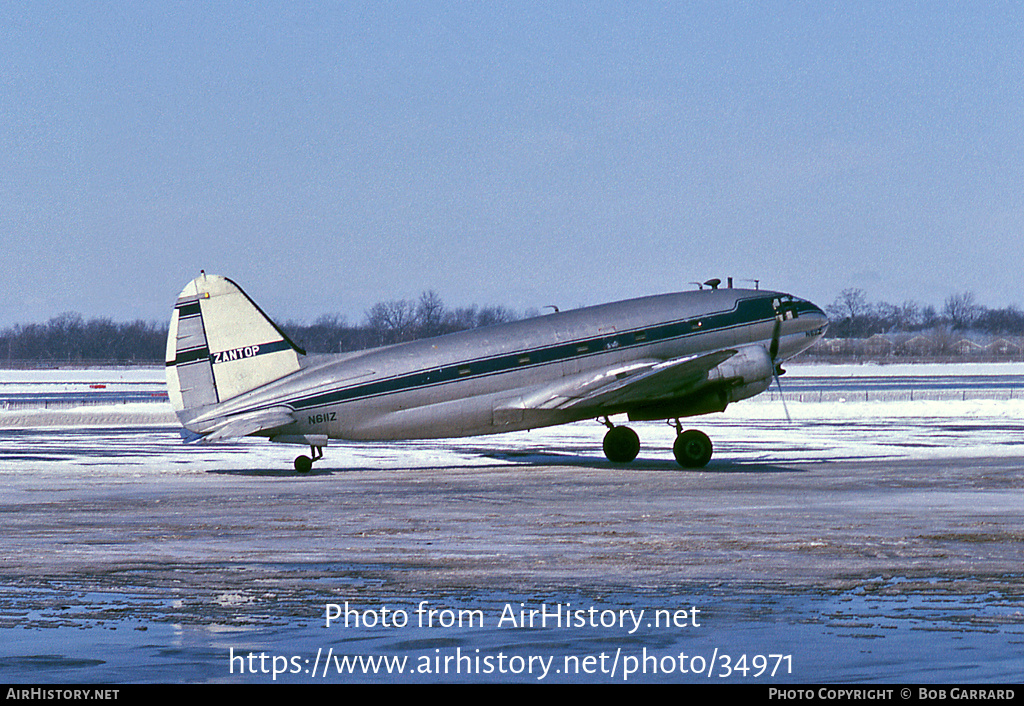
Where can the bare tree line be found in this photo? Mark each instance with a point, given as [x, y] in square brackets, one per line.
[394, 321]
[69, 337]
[852, 316]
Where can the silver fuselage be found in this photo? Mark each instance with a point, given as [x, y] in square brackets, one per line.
[487, 380]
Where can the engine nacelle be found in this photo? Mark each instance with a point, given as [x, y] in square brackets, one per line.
[744, 375]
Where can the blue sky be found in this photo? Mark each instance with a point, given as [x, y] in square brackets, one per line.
[328, 156]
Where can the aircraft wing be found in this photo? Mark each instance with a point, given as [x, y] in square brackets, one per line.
[638, 382]
[248, 423]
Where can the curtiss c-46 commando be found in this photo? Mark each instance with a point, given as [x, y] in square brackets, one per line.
[232, 372]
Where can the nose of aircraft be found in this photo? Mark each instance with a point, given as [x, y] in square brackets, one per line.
[819, 312]
[807, 326]
[814, 313]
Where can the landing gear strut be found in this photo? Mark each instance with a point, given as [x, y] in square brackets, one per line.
[692, 448]
[303, 464]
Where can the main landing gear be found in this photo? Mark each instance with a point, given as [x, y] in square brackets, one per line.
[303, 464]
[621, 444]
[692, 448]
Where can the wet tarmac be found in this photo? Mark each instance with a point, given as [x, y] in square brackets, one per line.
[129, 557]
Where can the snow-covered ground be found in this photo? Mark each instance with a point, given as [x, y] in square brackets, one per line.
[130, 556]
[879, 369]
[839, 427]
[63, 379]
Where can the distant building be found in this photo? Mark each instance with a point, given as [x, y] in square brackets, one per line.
[919, 346]
[878, 345]
[1004, 347]
[939, 344]
[967, 347]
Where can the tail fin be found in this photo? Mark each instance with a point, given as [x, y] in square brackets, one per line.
[221, 344]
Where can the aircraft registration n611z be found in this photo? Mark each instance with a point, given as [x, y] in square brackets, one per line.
[232, 372]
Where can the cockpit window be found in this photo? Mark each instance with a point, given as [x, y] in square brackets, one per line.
[786, 307]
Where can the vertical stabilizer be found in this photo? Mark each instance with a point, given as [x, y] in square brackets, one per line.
[221, 344]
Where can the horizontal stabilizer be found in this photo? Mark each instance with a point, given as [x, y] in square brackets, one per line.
[188, 436]
[249, 423]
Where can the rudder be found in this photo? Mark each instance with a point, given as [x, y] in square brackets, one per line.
[221, 344]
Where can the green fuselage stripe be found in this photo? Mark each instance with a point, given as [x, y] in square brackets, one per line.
[747, 312]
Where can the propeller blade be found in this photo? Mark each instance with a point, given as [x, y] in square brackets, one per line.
[773, 351]
[781, 397]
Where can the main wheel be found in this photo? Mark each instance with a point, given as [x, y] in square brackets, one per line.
[621, 444]
[303, 464]
[692, 449]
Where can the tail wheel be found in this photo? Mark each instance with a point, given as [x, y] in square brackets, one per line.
[692, 449]
[304, 464]
[621, 445]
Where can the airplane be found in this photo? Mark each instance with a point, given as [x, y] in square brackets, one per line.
[232, 372]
